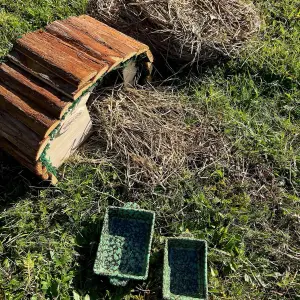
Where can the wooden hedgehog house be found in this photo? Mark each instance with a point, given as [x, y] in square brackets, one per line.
[46, 82]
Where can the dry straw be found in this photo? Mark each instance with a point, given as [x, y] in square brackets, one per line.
[187, 31]
[152, 136]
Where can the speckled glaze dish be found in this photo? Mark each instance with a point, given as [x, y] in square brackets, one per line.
[125, 244]
[185, 269]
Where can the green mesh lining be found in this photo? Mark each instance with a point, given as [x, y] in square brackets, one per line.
[46, 161]
[76, 102]
[124, 64]
[53, 134]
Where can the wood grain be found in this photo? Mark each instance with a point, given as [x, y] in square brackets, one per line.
[87, 60]
[35, 167]
[26, 112]
[113, 41]
[44, 74]
[41, 94]
[83, 42]
[21, 136]
[52, 54]
[74, 130]
[108, 32]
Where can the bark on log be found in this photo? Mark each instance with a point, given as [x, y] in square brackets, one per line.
[109, 32]
[44, 74]
[21, 136]
[63, 47]
[113, 41]
[83, 42]
[26, 112]
[35, 90]
[35, 167]
[45, 175]
[52, 54]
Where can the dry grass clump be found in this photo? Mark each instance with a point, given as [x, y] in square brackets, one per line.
[153, 136]
[187, 31]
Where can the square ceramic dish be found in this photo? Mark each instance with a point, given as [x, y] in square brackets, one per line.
[185, 269]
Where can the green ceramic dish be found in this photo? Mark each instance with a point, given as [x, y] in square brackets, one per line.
[125, 244]
[185, 269]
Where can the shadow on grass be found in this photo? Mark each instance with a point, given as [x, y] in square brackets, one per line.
[16, 182]
[155, 278]
[99, 287]
[85, 281]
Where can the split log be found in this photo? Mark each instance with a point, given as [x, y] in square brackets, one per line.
[83, 42]
[66, 59]
[21, 136]
[26, 112]
[33, 89]
[47, 52]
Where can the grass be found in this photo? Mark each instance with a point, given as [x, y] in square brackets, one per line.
[244, 200]
[20, 16]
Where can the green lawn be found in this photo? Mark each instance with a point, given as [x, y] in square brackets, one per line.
[246, 203]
